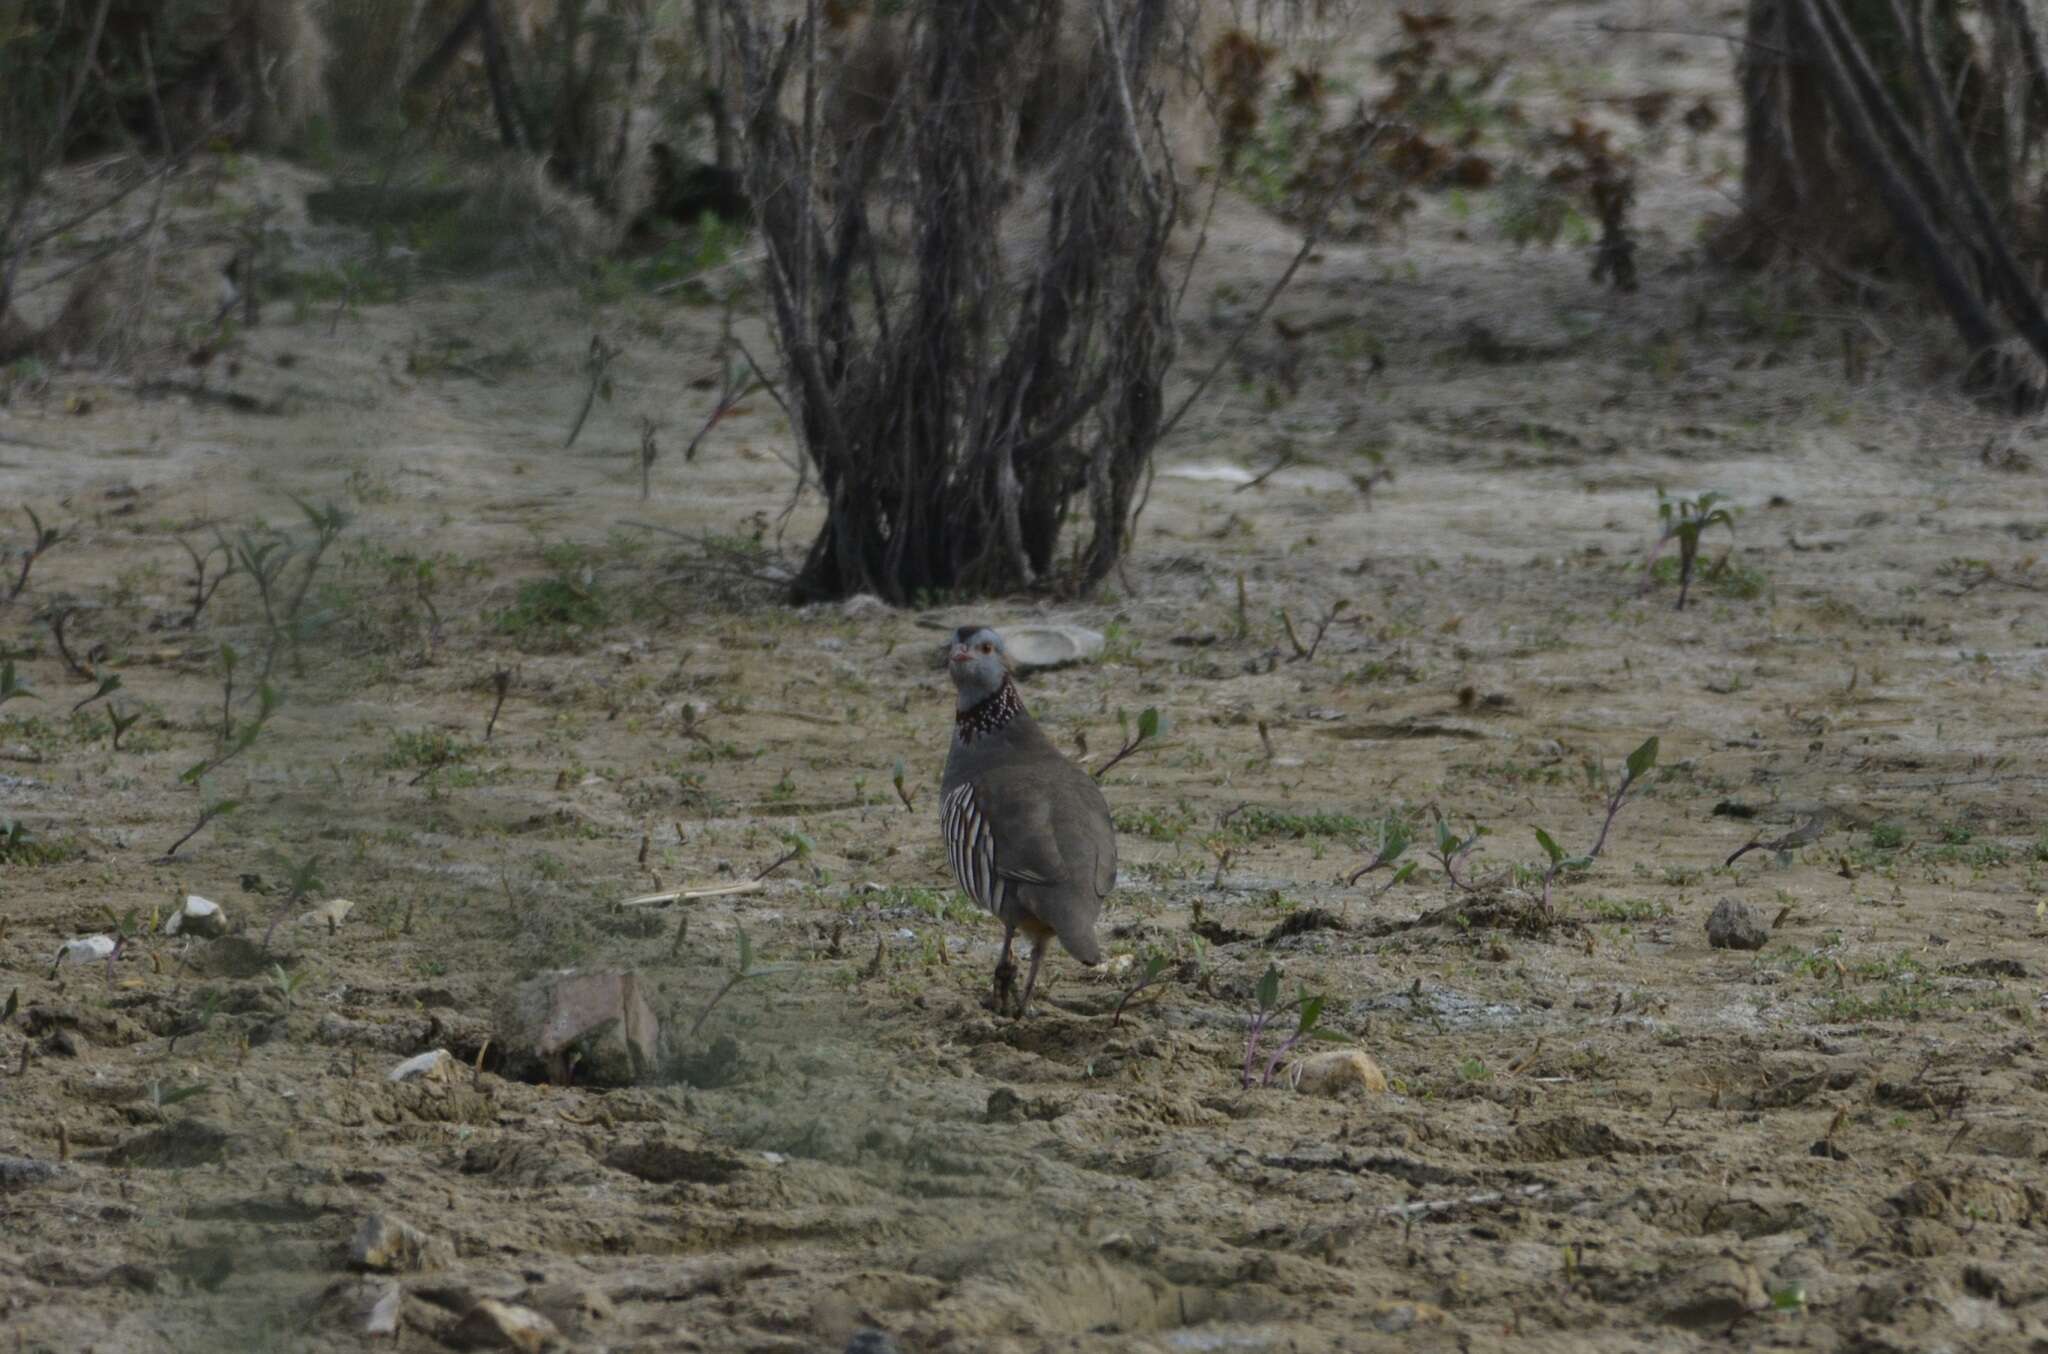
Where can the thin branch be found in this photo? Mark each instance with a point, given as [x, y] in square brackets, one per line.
[1308, 245]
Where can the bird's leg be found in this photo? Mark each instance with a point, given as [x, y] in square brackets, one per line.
[1031, 978]
[1006, 973]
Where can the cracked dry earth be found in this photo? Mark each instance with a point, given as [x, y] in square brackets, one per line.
[1599, 1133]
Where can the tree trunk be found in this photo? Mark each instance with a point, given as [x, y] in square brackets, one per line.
[1880, 142]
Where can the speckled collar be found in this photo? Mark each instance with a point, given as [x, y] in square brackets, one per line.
[990, 715]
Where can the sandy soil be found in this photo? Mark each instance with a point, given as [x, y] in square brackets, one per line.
[1599, 1134]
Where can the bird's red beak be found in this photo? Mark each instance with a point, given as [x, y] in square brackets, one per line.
[961, 654]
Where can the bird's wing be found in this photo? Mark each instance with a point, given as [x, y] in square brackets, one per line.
[1051, 828]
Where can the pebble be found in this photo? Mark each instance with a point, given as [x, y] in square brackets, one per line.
[1734, 927]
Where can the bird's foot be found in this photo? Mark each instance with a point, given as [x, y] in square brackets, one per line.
[1004, 994]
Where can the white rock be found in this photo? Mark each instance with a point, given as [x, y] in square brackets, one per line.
[85, 949]
[198, 917]
[329, 914]
[434, 1065]
[1034, 647]
[492, 1324]
[1335, 1071]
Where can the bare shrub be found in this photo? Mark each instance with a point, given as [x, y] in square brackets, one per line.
[959, 409]
[1889, 136]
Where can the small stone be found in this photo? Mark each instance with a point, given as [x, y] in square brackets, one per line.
[434, 1065]
[85, 950]
[368, 1305]
[1033, 648]
[1734, 927]
[572, 1307]
[1333, 1072]
[868, 1340]
[1717, 1294]
[18, 1171]
[492, 1324]
[200, 917]
[1395, 1317]
[391, 1245]
[329, 915]
[594, 1027]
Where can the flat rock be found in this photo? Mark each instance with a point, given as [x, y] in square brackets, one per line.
[492, 1324]
[1336, 1071]
[19, 1171]
[197, 917]
[1034, 648]
[594, 1027]
[572, 1307]
[389, 1245]
[871, 1341]
[1716, 1295]
[367, 1305]
[1734, 927]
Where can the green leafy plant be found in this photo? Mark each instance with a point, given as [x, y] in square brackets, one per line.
[1559, 862]
[1308, 1013]
[1640, 763]
[203, 585]
[108, 686]
[1450, 848]
[121, 722]
[11, 687]
[41, 540]
[1150, 725]
[207, 813]
[1686, 521]
[236, 737]
[162, 1097]
[746, 971]
[1149, 973]
[1393, 840]
[301, 880]
[206, 1009]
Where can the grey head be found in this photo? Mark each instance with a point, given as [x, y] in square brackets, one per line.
[978, 664]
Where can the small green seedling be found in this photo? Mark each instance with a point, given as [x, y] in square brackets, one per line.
[302, 879]
[162, 1097]
[747, 969]
[1559, 862]
[208, 1009]
[121, 722]
[236, 739]
[903, 790]
[1154, 967]
[1308, 1016]
[800, 849]
[1686, 520]
[1451, 848]
[204, 587]
[42, 539]
[1306, 653]
[1150, 725]
[108, 686]
[1640, 763]
[207, 813]
[1395, 837]
[11, 687]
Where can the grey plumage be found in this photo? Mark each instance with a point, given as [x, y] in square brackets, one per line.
[1028, 833]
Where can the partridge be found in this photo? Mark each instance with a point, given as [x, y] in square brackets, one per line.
[1028, 832]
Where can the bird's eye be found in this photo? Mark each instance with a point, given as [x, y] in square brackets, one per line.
[988, 648]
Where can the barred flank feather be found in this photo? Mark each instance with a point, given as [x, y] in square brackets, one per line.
[971, 847]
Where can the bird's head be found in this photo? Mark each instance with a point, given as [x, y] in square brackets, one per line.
[978, 663]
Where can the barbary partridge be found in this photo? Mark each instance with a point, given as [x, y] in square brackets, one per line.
[1029, 834]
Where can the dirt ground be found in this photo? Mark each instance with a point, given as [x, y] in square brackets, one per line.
[1599, 1133]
